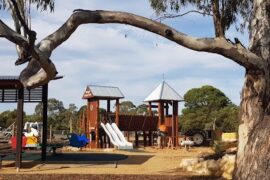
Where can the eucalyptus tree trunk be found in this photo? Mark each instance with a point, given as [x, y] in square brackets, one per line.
[253, 156]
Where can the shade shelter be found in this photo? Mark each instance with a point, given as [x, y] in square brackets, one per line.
[164, 97]
[13, 91]
[94, 94]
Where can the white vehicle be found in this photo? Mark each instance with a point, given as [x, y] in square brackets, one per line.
[32, 129]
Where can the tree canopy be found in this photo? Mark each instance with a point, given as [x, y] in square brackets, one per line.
[207, 105]
[225, 12]
[127, 107]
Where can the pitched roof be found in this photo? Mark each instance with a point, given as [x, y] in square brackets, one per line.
[103, 92]
[164, 92]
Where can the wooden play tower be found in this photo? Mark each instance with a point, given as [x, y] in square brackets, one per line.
[93, 94]
[166, 99]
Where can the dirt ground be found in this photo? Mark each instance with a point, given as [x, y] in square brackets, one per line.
[142, 161]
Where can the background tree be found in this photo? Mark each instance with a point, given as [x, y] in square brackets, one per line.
[127, 107]
[7, 118]
[142, 109]
[56, 113]
[255, 104]
[206, 105]
[71, 116]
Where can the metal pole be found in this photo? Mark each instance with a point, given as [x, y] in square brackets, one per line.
[19, 129]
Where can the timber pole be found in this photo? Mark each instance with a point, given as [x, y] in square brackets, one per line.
[19, 129]
[45, 121]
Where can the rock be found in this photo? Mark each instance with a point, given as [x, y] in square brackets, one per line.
[213, 165]
[188, 162]
[189, 168]
[227, 175]
[232, 150]
[70, 148]
[109, 150]
[222, 167]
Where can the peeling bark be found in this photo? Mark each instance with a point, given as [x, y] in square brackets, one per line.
[219, 31]
[253, 157]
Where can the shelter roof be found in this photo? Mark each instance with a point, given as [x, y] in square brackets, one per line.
[9, 90]
[102, 92]
[164, 92]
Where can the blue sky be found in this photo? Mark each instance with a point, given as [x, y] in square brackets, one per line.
[101, 55]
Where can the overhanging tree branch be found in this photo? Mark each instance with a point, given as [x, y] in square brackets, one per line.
[170, 16]
[43, 71]
[31, 34]
[213, 45]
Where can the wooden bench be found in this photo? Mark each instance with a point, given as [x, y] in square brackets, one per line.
[5, 150]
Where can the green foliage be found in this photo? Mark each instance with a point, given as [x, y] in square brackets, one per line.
[127, 107]
[205, 97]
[229, 10]
[142, 109]
[206, 105]
[7, 118]
[43, 5]
[56, 113]
[71, 114]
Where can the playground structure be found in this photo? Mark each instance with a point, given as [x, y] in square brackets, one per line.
[13, 91]
[162, 98]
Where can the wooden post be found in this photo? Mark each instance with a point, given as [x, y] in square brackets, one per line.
[175, 117]
[167, 109]
[44, 121]
[136, 139]
[87, 122]
[127, 136]
[150, 138]
[117, 112]
[97, 125]
[150, 109]
[50, 133]
[144, 139]
[108, 110]
[19, 129]
[160, 113]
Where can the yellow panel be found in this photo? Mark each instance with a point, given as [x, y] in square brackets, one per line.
[229, 137]
[31, 140]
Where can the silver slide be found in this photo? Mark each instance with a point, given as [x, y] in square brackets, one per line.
[121, 136]
[113, 137]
